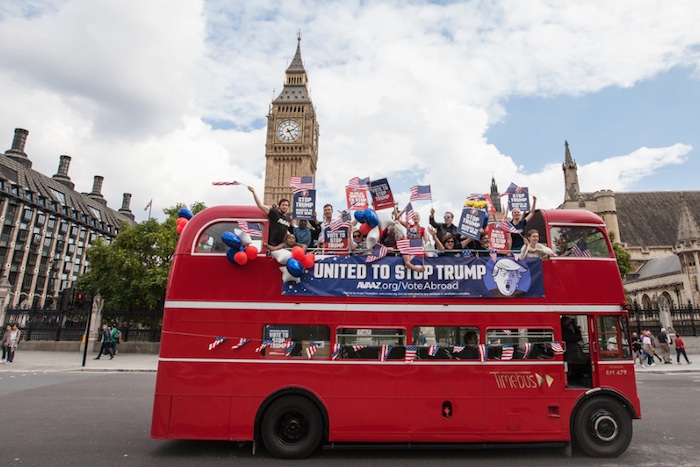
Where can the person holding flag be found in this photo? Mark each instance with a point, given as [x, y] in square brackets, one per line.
[412, 224]
[446, 227]
[519, 221]
[280, 221]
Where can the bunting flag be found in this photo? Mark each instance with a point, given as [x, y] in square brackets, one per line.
[226, 183]
[302, 183]
[467, 253]
[581, 249]
[507, 226]
[217, 341]
[558, 348]
[357, 183]
[411, 246]
[289, 348]
[410, 213]
[527, 348]
[433, 350]
[358, 347]
[420, 193]
[384, 352]
[264, 345]
[458, 348]
[240, 344]
[311, 349]
[482, 352]
[379, 251]
[148, 206]
[253, 230]
[411, 351]
[512, 188]
[507, 352]
[337, 348]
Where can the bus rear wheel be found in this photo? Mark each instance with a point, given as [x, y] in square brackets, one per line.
[292, 427]
[603, 428]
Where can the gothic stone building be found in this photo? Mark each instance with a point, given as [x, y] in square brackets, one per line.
[658, 229]
[47, 227]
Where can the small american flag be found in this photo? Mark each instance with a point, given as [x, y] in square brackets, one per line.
[458, 348]
[384, 352]
[379, 251]
[507, 352]
[558, 348]
[217, 341]
[289, 348]
[508, 226]
[512, 188]
[410, 213]
[337, 348]
[240, 344]
[311, 349]
[226, 183]
[264, 345]
[527, 348]
[433, 350]
[411, 351]
[581, 249]
[251, 229]
[411, 246]
[302, 183]
[358, 347]
[357, 183]
[340, 224]
[420, 192]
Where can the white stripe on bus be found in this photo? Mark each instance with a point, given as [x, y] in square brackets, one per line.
[360, 362]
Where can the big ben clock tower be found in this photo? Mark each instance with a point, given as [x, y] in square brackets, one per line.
[291, 147]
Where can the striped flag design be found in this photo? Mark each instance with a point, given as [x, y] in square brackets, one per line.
[379, 251]
[217, 341]
[420, 192]
[558, 348]
[251, 229]
[411, 246]
[337, 348]
[357, 183]
[264, 345]
[384, 352]
[240, 344]
[302, 183]
[507, 352]
[411, 351]
[226, 183]
[311, 350]
[289, 348]
[581, 249]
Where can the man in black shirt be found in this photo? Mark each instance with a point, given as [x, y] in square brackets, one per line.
[280, 222]
[446, 227]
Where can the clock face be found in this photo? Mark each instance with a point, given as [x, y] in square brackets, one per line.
[288, 131]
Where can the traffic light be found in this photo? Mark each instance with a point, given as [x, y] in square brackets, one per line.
[79, 298]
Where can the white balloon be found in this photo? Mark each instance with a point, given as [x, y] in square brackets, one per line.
[430, 250]
[372, 237]
[385, 219]
[281, 255]
[287, 276]
[245, 238]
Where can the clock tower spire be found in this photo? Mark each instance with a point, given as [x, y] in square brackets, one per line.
[291, 147]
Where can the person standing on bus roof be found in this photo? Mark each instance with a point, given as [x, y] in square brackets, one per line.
[533, 249]
[302, 232]
[519, 222]
[446, 227]
[280, 222]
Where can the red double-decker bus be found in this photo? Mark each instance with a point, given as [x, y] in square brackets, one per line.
[496, 350]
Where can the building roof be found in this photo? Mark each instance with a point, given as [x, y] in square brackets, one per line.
[657, 267]
[653, 218]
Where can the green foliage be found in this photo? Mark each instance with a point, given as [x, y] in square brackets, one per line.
[623, 258]
[132, 271]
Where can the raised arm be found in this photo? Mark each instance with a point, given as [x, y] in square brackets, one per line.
[532, 211]
[263, 208]
[432, 218]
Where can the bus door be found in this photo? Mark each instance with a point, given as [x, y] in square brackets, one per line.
[614, 353]
[576, 334]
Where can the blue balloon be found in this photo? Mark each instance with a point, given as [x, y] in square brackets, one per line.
[371, 218]
[360, 216]
[186, 213]
[486, 221]
[231, 239]
[230, 253]
[294, 267]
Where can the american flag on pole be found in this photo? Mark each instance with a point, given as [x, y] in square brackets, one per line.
[253, 230]
[232, 183]
[410, 213]
[581, 249]
[384, 352]
[357, 183]
[512, 188]
[337, 348]
[411, 351]
[557, 348]
[150, 203]
[379, 251]
[311, 349]
[264, 345]
[302, 183]
[343, 222]
[217, 341]
[507, 226]
[458, 348]
[507, 352]
[411, 246]
[433, 350]
[240, 344]
[289, 348]
[420, 193]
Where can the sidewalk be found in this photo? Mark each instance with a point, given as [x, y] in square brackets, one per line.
[44, 361]
[37, 360]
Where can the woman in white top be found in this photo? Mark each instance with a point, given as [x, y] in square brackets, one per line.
[532, 249]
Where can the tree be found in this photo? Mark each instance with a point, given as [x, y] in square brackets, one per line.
[623, 258]
[132, 271]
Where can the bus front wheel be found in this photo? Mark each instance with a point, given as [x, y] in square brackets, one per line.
[292, 427]
[603, 427]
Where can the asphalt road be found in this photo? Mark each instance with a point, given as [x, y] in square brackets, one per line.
[104, 419]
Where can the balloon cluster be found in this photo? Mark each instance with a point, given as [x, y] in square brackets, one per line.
[183, 217]
[370, 225]
[239, 250]
[294, 262]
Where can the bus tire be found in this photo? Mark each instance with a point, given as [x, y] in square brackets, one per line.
[603, 427]
[292, 427]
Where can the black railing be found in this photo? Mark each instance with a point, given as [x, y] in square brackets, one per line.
[686, 321]
[38, 324]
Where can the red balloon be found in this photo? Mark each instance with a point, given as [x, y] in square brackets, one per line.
[181, 221]
[365, 228]
[181, 227]
[251, 252]
[308, 260]
[240, 258]
[297, 253]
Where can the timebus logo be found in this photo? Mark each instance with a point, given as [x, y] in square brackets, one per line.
[521, 379]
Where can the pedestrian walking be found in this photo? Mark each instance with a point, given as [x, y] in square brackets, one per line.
[15, 335]
[637, 349]
[647, 348]
[106, 346]
[5, 340]
[665, 346]
[680, 349]
[115, 337]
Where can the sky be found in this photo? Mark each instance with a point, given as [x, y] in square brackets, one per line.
[163, 97]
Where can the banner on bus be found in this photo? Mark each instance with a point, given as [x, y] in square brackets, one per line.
[345, 276]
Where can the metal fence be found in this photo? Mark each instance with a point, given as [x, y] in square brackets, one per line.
[38, 324]
[686, 321]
